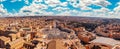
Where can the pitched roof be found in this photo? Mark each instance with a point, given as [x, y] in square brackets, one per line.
[56, 44]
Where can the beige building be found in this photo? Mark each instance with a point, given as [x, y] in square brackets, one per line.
[28, 37]
[108, 42]
[13, 37]
[17, 44]
[3, 41]
[56, 44]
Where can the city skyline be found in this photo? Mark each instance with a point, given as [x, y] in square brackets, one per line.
[56, 32]
[88, 8]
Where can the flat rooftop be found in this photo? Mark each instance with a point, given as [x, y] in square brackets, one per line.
[106, 41]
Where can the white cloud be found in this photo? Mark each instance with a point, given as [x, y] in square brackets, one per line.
[116, 10]
[74, 3]
[118, 3]
[39, 13]
[52, 3]
[37, 0]
[15, 0]
[2, 0]
[102, 3]
[64, 4]
[68, 13]
[102, 10]
[86, 8]
[26, 1]
[60, 9]
[37, 8]
[3, 11]
[19, 0]
[75, 13]
[34, 9]
[83, 4]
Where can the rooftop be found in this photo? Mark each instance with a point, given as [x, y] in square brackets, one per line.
[4, 38]
[106, 41]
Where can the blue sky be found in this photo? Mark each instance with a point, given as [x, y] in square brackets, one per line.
[91, 8]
